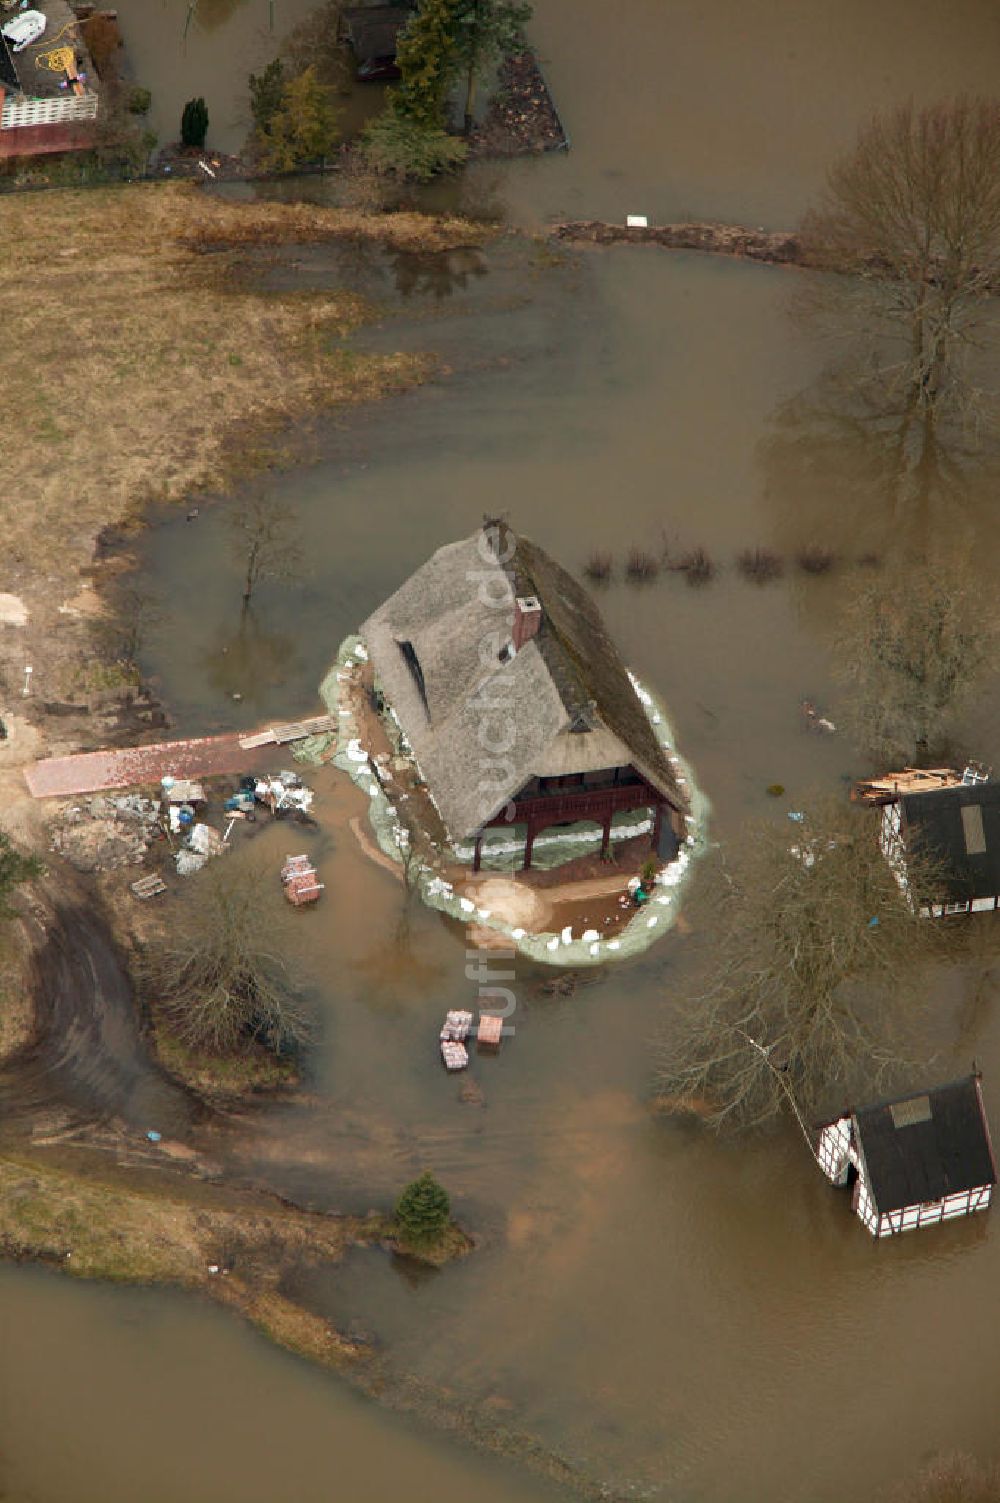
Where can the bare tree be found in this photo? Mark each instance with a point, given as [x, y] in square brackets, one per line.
[913, 214]
[218, 972]
[266, 542]
[807, 995]
[913, 644]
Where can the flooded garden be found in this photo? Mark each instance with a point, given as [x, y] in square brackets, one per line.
[650, 1312]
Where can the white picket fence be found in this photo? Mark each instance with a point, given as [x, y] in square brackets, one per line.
[59, 110]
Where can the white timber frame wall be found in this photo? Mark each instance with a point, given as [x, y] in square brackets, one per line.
[63, 110]
[894, 851]
[834, 1152]
[837, 1150]
[890, 1223]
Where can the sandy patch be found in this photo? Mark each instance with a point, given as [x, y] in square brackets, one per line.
[510, 901]
[13, 611]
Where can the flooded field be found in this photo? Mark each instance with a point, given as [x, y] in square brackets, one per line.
[665, 1312]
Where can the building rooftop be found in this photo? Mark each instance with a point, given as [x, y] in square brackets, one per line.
[372, 30]
[926, 1146]
[958, 829]
[562, 703]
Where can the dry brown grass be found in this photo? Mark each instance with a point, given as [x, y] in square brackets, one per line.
[17, 1008]
[137, 357]
[142, 366]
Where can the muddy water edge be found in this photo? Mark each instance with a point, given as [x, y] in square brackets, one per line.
[664, 1311]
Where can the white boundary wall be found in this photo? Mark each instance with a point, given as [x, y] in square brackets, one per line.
[61, 110]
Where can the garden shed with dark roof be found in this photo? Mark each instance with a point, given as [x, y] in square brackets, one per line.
[913, 1161]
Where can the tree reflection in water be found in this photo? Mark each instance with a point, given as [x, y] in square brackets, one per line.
[439, 275]
[251, 660]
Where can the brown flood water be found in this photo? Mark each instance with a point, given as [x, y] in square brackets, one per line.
[670, 1313]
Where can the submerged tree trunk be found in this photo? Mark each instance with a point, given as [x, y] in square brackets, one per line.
[470, 95]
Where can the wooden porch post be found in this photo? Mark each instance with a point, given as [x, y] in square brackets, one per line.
[477, 859]
[657, 828]
[529, 842]
[606, 838]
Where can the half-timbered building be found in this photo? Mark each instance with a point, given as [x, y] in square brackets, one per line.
[913, 1162]
[957, 830]
[516, 706]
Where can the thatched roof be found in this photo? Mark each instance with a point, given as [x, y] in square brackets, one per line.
[482, 724]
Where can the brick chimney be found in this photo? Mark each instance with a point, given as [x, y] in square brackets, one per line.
[527, 620]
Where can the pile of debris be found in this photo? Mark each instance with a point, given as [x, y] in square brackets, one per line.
[455, 1032]
[299, 879]
[106, 832]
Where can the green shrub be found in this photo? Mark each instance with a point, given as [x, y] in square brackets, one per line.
[396, 147]
[139, 101]
[303, 128]
[265, 94]
[423, 1211]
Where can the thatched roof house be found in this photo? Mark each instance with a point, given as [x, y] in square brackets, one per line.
[512, 695]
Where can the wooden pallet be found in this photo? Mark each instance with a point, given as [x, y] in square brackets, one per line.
[294, 730]
[148, 887]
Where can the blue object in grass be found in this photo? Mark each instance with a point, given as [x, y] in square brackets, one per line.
[153, 1136]
[873, 923]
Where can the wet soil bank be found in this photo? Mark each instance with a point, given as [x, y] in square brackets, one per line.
[84, 1191]
[777, 248]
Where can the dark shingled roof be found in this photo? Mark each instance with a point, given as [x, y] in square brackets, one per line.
[942, 1147]
[949, 838]
[372, 30]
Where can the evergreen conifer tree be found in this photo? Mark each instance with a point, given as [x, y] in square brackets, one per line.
[194, 123]
[423, 1211]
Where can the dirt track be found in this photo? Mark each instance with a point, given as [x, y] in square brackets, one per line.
[89, 1057]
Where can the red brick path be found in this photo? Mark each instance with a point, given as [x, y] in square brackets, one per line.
[88, 772]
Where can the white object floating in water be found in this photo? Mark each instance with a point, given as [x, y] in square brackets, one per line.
[517, 933]
[553, 944]
[361, 652]
[663, 900]
[636, 222]
[567, 935]
[614, 944]
[651, 923]
[484, 913]
[589, 935]
[356, 751]
[656, 719]
[595, 949]
[466, 906]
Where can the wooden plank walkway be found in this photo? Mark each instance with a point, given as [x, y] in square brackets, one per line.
[90, 772]
[294, 730]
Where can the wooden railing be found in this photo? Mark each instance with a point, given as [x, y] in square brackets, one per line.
[590, 803]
